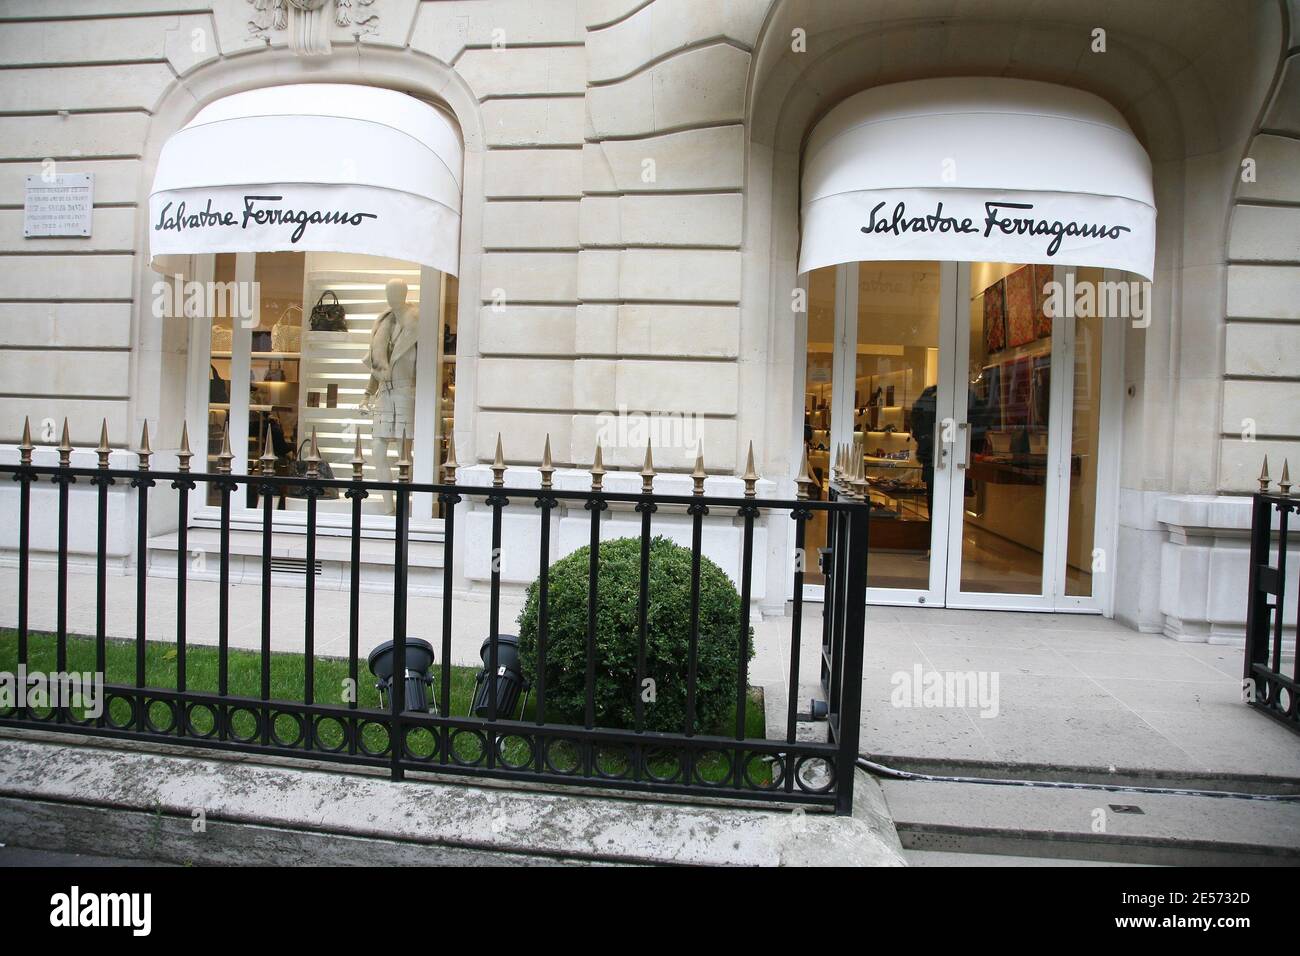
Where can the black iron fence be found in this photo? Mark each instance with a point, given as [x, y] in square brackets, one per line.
[1267, 685]
[817, 772]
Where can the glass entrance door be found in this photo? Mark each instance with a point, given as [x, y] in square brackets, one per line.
[901, 377]
[1028, 461]
[1007, 419]
[979, 419]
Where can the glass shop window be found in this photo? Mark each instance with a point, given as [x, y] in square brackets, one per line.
[348, 345]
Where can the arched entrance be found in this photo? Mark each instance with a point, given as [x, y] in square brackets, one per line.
[946, 225]
[322, 285]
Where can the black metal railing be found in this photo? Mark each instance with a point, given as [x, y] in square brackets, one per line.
[1266, 684]
[787, 769]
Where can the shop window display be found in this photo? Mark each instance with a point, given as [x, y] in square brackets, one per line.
[337, 348]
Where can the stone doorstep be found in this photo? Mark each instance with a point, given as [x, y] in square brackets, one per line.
[54, 778]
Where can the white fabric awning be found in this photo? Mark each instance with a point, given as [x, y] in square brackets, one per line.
[977, 169]
[320, 167]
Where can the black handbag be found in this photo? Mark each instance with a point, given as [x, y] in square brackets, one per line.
[328, 316]
[300, 469]
[218, 387]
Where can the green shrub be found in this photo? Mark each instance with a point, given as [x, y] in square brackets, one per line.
[667, 638]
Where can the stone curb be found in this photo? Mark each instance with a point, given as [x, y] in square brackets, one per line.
[497, 825]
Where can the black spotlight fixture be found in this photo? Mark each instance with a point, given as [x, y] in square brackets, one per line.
[419, 658]
[510, 677]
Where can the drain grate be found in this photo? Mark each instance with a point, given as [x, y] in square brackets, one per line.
[296, 566]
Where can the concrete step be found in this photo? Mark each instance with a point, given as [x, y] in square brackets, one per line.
[1093, 825]
[289, 559]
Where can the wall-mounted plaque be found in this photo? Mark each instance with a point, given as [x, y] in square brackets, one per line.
[58, 205]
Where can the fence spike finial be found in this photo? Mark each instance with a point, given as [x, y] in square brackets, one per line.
[404, 458]
[312, 458]
[25, 447]
[226, 456]
[267, 459]
[804, 481]
[1285, 482]
[103, 451]
[598, 469]
[144, 451]
[499, 466]
[184, 455]
[750, 477]
[698, 475]
[547, 469]
[449, 464]
[65, 447]
[1263, 477]
[648, 472]
[358, 460]
[850, 479]
[860, 482]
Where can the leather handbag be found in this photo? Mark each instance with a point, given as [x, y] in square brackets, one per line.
[300, 469]
[328, 316]
[218, 387]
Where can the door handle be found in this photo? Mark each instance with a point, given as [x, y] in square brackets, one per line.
[940, 447]
[965, 460]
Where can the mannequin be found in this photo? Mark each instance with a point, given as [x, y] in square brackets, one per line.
[390, 395]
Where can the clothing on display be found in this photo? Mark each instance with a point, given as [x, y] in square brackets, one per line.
[391, 361]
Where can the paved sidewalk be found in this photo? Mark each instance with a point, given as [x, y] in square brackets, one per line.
[1073, 690]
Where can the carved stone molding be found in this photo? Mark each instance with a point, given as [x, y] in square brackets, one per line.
[307, 24]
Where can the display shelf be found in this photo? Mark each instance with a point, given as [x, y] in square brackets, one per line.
[225, 407]
[272, 356]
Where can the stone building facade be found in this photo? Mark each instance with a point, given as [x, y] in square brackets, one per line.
[630, 227]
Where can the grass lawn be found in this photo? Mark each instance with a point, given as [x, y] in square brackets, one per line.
[330, 683]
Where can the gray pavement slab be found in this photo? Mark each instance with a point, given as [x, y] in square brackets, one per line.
[1170, 827]
[1074, 691]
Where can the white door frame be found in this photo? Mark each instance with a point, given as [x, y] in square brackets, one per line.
[952, 450]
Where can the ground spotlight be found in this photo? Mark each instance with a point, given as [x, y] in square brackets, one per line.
[419, 658]
[510, 677]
